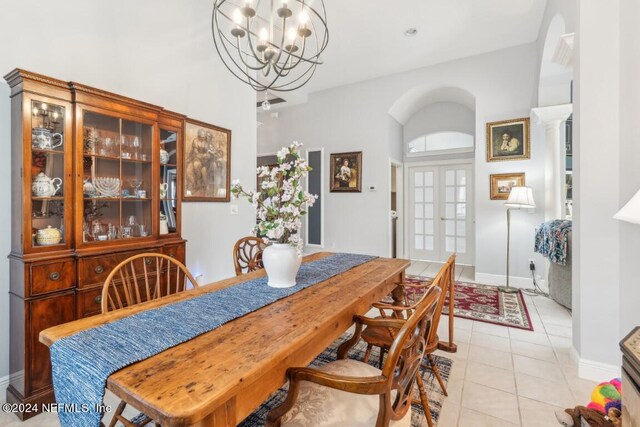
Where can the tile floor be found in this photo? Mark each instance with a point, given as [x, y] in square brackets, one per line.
[510, 377]
[500, 376]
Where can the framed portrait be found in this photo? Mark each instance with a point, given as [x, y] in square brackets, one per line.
[346, 172]
[207, 163]
[508, 140]
[501, 184]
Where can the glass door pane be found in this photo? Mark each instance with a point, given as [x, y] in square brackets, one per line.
[48, 143]
[423, 213]
[457, 224]
[117, 178]
[136, 148]
[168, 181]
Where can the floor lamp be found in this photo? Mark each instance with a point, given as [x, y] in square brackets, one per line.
[519, 198]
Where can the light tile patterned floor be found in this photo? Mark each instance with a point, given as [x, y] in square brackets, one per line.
[510, 377]
[500, 377]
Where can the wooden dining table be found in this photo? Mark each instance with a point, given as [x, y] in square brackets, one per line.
[220, 377]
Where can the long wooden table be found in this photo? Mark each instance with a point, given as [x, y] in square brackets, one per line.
[220, 377]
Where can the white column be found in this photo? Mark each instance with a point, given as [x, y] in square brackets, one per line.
[553, 118]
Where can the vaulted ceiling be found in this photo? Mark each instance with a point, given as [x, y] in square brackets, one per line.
[366, 37]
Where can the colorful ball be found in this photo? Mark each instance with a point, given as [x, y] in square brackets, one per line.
[605, 394]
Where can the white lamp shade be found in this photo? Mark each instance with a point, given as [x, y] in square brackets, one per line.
[631, 211]
[521, 197]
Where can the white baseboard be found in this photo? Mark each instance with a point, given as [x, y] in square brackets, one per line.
[515, 281]
[4, 383]
[597, 371]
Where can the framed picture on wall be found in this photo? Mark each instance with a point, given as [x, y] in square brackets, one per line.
[508, 140]
[207, 163]
[501, 184]
[346, 172]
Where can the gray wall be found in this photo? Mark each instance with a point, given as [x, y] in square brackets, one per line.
[158, 51]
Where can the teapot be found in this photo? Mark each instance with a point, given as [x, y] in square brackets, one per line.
[43, 139]
[43, 186]
[48, 236]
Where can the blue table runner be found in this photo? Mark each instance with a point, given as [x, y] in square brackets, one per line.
[81, 363]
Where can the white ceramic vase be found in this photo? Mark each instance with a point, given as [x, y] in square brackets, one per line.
[281, 261]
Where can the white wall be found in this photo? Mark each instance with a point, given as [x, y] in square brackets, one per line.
[629, 170]
[354, 117]
[156, 51]
[351, 118]
[440, 117]
[597, 186]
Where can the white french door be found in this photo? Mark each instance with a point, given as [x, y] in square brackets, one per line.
[441, 213]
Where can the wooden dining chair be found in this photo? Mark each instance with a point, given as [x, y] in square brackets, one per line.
[376, 336]
[142, 277]
[348, 392]
[247, 254]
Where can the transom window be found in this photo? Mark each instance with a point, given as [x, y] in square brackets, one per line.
[441, 143]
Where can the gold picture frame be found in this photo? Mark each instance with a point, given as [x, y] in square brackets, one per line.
[502, 183]
[207, 163]
[508, 140]
[345, 172]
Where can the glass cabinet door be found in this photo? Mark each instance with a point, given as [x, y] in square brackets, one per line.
[117, 178]
[47, 172]
[168, 181]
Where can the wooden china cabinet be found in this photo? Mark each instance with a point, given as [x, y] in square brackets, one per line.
[95, 179]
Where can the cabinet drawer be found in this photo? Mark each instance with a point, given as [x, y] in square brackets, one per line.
[94, 270]
[89, 302]
[51, 276]
[175, 251]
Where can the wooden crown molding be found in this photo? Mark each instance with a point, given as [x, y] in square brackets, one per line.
[80, 88]
[18, 75]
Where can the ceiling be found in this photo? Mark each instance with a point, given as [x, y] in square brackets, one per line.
[366, 37]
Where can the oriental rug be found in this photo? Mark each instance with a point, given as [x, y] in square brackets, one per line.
[485, 303]
[432, 388]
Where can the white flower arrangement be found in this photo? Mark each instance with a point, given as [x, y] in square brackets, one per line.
[280, 201]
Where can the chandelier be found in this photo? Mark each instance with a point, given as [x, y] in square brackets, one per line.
[270, 47]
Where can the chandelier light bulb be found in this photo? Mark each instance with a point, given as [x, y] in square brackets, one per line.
[44, 106]
[292, 33]
[36, 111]
[304, 17]
[266, 105]
[237, 16]
[264, 35]
[284, 3]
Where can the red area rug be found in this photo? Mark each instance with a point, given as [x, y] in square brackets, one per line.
[485, 303]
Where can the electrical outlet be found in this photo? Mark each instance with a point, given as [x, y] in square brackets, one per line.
[233, 209]
[532, 265]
